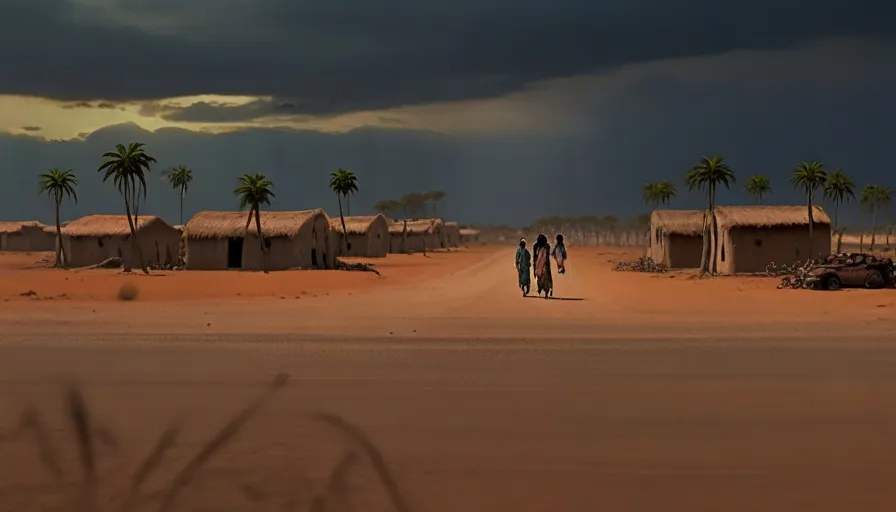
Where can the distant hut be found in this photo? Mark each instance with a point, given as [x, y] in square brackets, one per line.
[469, 236]
[95, 238]
[296, 239]
[452, 234]
[422, 235]
[751, 237]
[26, 236]
[368, 236]
[676, 238]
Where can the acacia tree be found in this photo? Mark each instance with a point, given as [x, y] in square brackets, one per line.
[758, 186]
[253, 191]
[707, 176]
[414, 204]
[809, 177]
[344, 183]
[387, 206]
[839, 188]
[127, 167]
[436, 196]
[179, 178]
[59, 184]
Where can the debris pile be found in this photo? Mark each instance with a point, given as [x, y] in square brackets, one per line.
[836, 271]
[639, 265]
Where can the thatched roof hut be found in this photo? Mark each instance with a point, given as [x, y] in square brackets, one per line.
[452, 234]
[469, 235]
[769, 216]
[108, 225]
[678, 222]
[28, 235]
[95, 238]
[422, 235]
[367, 236]
[750, 237]
[294, 239]
[676, 238]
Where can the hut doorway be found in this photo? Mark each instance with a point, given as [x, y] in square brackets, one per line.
[234, 253]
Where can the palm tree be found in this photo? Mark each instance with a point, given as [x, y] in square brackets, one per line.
[255, 190]
[180, 178]
[706, 176]
[874, 197]
[839, 188]
[659, 193]
[651, 194]
[809, 176]
[58, 184]
[666, 192]
[758, 186]
[344, 183]
[127, 166]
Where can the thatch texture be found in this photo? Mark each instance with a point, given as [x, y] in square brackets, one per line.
[210, 225]
[107, 225]
[678, 222]
[729, 217]
[356, 225]
[416, 226]
[19, 226]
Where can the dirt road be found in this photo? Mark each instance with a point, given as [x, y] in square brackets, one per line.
[478, 399]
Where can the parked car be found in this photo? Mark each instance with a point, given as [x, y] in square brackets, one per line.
[853, 270]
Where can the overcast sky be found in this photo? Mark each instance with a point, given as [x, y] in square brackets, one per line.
[515, 109]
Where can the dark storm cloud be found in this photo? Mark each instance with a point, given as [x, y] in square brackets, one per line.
[645, 128]
[333, 57]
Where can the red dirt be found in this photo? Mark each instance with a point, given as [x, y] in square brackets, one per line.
[649, 393]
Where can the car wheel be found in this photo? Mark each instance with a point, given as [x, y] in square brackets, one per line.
[832, 283]
[874, 280]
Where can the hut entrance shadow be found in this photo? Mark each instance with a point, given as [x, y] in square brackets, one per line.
[234, 253]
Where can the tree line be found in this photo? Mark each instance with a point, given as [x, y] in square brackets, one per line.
[127, 168]
[809, 178]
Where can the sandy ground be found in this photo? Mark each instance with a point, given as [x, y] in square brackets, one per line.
[470, 292]
[629, 392]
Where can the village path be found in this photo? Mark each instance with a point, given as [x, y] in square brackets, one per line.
[481, 299]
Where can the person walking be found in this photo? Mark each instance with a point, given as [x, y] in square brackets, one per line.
[543, 279]
[559, 254]
[523, 262]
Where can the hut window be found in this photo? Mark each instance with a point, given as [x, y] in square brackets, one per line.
[99, 242]
[723, 252]
[758, 242]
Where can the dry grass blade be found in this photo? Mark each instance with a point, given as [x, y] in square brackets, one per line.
[379, 463]
[224, 436]
[336, 485]
[49, 457]
[80, 417]
[151, 463]
[106, 437]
